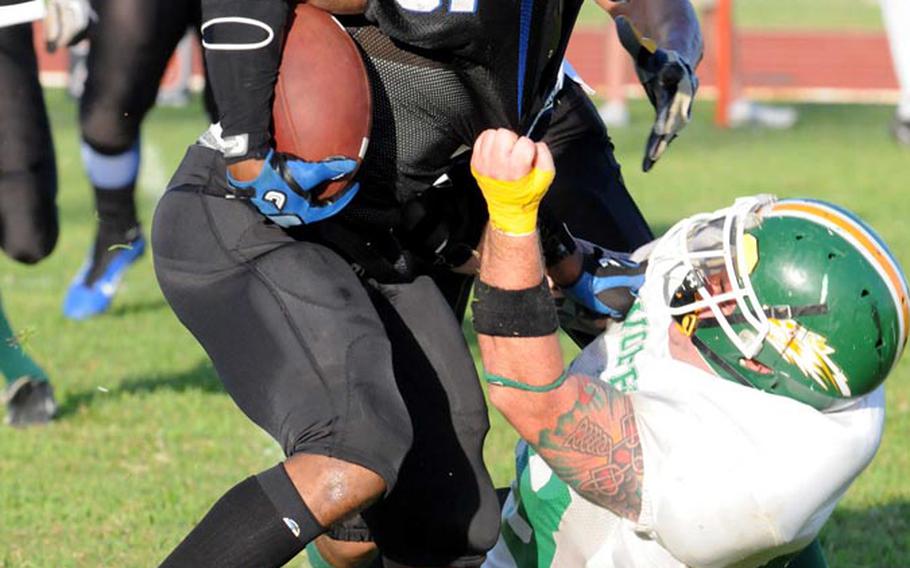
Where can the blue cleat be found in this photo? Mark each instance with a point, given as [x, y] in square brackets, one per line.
[91, 294]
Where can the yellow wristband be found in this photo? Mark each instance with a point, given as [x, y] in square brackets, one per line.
[513, 204]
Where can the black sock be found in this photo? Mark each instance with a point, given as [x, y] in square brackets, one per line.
[261, 522]
[117, 207]
[118, 226]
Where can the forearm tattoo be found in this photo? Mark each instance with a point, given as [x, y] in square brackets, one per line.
[594, 447]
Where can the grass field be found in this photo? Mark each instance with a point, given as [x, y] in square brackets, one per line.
[788, 14]
[147, 440]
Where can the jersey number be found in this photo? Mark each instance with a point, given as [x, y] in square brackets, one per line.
[469, 6]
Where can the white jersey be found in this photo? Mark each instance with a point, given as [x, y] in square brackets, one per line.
[733, 476]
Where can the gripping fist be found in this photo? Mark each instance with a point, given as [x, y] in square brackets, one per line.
[284, 190]
[670, 83]
[514, 174]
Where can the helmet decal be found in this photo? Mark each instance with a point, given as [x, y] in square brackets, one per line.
[855, 232]
[810, 353]
[748, 254]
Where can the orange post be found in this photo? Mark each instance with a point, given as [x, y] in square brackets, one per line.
[617, 65]
[723, 57]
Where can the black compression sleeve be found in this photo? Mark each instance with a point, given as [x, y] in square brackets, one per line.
[242, 40]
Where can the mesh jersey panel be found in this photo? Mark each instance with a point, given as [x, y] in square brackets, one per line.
[441, 78]
[518, 43]
[422, 114]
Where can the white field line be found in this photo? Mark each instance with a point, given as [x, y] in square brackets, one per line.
[152, 175]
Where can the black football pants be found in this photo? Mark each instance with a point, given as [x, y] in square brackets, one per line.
[328, 363]
[28, 171]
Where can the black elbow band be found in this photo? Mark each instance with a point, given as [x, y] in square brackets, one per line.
[514, 313]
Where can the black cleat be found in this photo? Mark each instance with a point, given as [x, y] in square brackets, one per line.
[29, 401]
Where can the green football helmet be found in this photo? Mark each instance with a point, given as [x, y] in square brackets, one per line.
[794, 297]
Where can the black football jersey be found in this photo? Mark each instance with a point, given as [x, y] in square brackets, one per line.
[443, 71]
[509, 51]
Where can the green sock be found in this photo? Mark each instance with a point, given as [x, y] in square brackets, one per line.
[14, 362]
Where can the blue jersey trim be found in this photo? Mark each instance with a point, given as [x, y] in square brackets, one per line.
[524, 35]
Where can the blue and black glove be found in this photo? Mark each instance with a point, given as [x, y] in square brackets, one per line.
[670, 83]
[286, 190]
[609, 282]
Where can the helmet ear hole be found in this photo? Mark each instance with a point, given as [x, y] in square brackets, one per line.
[864, 293]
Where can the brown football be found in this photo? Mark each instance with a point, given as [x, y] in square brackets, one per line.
[322, 102]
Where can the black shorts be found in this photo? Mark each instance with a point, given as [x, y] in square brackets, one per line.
[28, 171]
[327, 363]
[588, 193]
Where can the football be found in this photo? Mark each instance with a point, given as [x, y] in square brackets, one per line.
[322, 105]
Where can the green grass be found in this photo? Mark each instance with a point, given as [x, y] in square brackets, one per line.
[787, 14]
[147, 440]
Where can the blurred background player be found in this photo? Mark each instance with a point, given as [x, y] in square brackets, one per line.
[614, 111]
[175, 88]
[897, 21]
[28, 189]
[741, 111]
[130, 43]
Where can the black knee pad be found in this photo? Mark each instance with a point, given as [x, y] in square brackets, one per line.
[28, 175]
[371, 428]
[131, 44]
[108, 129]
[28, 214]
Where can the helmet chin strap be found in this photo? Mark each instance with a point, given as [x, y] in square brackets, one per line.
[709, 354]
[776, 312]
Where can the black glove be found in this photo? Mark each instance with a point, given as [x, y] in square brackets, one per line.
[670, 83]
